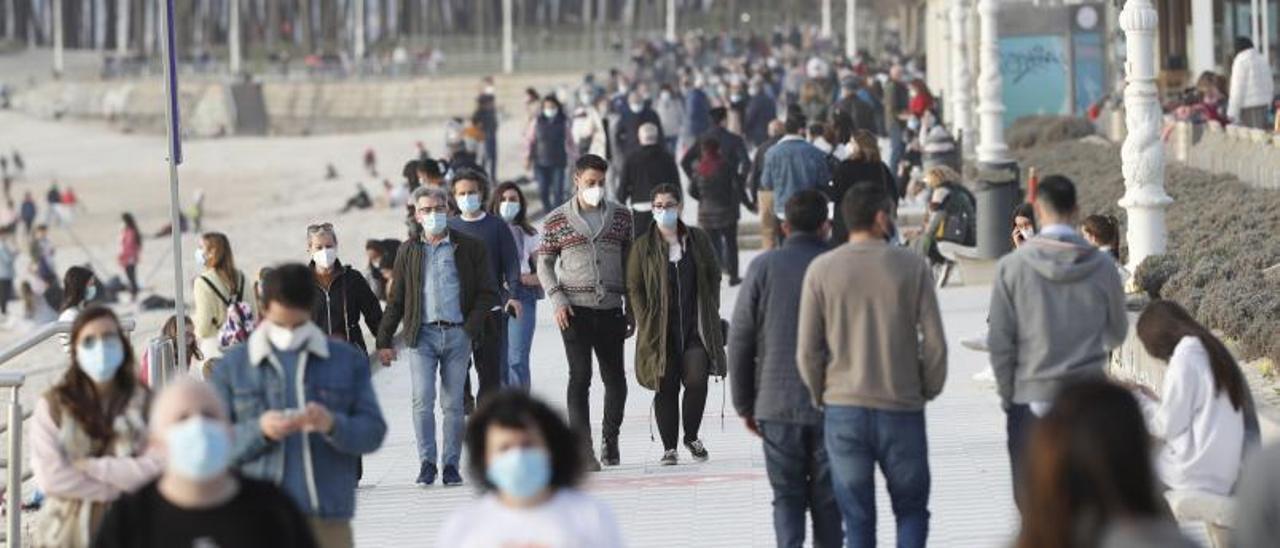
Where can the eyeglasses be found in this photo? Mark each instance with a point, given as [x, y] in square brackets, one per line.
[668, 205]
[322, 227]
[436, 209]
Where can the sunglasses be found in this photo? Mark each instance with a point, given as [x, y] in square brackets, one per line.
[322, 227]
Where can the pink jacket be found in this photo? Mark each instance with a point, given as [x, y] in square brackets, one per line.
[99, 479]
[130, 247]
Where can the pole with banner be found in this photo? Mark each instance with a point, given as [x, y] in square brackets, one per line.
[173, 118]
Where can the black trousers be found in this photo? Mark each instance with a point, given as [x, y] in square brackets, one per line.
[6, 295]
[688, 368]
[488, 357]
[602, 332]
[131, 272]
[725, 240]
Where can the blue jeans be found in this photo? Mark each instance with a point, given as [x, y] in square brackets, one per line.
[795, 460]
[446, 350]
[859, 438]
[520, 341]
[672, 141]
[550, 186]
[491, 155]
[1017, 425]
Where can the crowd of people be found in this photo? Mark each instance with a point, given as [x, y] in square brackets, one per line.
[834, 349]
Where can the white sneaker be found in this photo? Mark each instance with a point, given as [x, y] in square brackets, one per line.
[987, 375]
[977, 343]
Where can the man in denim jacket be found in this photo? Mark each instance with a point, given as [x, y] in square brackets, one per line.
[303, 407]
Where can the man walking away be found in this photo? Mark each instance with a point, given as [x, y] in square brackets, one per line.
[646, 168]
[1057, 309]
[1249, 99]
[762, 198]
[792, 165]
[486, 116]
[871, 351]
[767, 391]
[582, 267]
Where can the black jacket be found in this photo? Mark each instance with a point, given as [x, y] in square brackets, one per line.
[755, 124]
[718, 195]
[847, 174]
[732, 148]
[337, 308]
[627, 134]
[647, 167]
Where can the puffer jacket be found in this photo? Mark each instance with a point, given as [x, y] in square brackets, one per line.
[648, 290]
[1251, 84]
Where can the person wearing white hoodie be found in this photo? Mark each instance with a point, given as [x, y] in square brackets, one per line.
[1252, 89]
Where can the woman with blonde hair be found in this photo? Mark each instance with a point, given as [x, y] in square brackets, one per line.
[219, 286]
[863, 164]
[950, 214]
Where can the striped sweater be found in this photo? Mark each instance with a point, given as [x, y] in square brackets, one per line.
[578, 268]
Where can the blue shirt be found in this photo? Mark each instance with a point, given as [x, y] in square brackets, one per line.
[440, 289]
[295, 474]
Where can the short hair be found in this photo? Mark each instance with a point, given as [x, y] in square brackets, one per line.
[292, 285]
[795, 123]
[511, 408]
[475, 175]
[431, 167]
[410, 170]
[430, 192]
[1057, 193]
[718, 115]
[861, 204]
[1243, 43]
[666, 188]
[806, 211]
[648, 133]
[590, 161]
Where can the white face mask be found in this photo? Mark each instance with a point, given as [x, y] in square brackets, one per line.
[637, 107]
[324, 258]
[593, 195]
[549, 112]
[509, 210]
[200, 257]
[282, 338]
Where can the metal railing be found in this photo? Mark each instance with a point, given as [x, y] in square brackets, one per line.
[13, 380]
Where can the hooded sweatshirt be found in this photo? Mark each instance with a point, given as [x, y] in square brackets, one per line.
[1057, 308]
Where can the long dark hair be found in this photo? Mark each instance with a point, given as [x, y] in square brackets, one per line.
[75, 283]
[78, 395]
[1106, 230]
[521, 219]
[513, 408]
[170, 330]
[1163, 324]
[1087, 467]
[132, 225]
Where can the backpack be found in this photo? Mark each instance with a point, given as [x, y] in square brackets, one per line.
[958, 223]
[239, 322]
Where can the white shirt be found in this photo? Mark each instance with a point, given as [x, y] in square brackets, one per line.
[1203, 435]
[570, 519]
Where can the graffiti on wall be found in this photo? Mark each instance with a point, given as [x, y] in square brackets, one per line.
[1035, 76]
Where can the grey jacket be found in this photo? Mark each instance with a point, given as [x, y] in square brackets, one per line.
[1057, 308]
[582, 269]
[762, 335]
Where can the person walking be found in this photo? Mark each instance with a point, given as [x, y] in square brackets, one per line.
[530, 471]
[767, 390]
[130, 252]
[717, 185]
[550, 145]
[219, 286]
[198, 500]
[582, 267]
[697, 109]
[762, 197]
[509, 204]
[8, 256]
[27, 212]
[896, 103]
[649, 166]
[671, 116]
[470, 192]
[88, 434]
[486, 117]
[442, 296]
[627, 132]
[343, 295]
[761, 111]
[673, 283]
[791, 165]
[302, 406]
[1057, 309]
[872, 353]
[1252, 88]
[863, 164]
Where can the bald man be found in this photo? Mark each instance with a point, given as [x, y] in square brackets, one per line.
[645, 168]
[198, 500]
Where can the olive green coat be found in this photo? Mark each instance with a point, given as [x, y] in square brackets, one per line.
[647, 288]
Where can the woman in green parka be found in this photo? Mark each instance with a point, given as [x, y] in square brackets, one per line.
[673, 281]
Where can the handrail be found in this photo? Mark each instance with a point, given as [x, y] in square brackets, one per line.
[46, 332]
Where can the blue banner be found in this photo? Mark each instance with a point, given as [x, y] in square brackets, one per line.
[1034, 76]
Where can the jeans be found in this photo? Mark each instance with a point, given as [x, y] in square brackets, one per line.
[897, 147]
[859, 438]
[688, 368]
[550, 186]
[725, 241]
[445, 349]
[1018, 420]
[491, 154]
[795, 460]
[520, 341]
[601, 331]
[672, 143]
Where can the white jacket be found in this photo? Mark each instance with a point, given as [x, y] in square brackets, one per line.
[1203, 435]
[1251, 84]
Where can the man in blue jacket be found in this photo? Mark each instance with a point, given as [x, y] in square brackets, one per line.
[302, 404]
[792, 165]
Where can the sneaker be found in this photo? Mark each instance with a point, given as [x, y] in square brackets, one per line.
[593, 465]
[669, 458]
[451, 477]
[987, 375]
[426, 474]
[696, 449]
[735, 281]
[609, 452]
[977, 343]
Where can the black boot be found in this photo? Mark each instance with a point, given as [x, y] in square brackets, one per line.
[609, 452]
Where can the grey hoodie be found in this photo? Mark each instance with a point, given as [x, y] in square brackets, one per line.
[1057, 308]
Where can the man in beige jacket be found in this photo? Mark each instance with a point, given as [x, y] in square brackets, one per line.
[871, 351]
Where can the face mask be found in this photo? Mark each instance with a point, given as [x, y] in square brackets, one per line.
[913, 123]
[469, 203]
[637, 107]
[593, 195]
[665, 96]
[488, 90]
[666, 218]
[521, 473]
[549, 112]
[90, 293]
[434, 223]
[198, 448]
[200, 257]
[509, 210]
[282, 338]
[325, 258]
[101, 361]
[1028, 233]
[735, 98]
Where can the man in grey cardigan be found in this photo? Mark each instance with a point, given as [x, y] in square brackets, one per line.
[766, 386]
[871, 351]
[1057, 309]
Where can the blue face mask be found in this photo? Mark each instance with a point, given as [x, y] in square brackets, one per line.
[469, 203]
[199, 448]
[509, 210]
[521, 473]
[100, 359]
[666, 218]
[434, 223]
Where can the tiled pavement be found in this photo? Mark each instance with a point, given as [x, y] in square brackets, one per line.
[726, 501]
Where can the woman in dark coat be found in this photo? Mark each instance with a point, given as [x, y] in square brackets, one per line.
[863, 164]
[719, 192]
